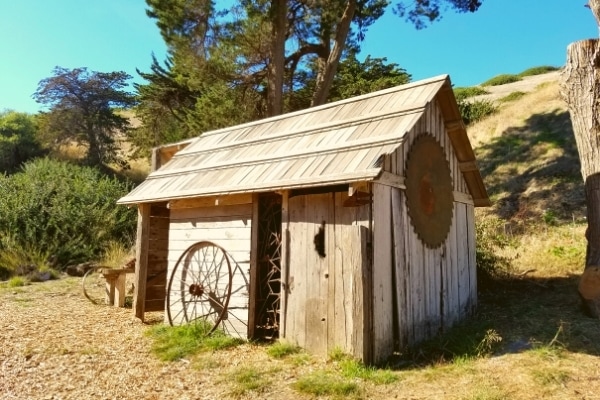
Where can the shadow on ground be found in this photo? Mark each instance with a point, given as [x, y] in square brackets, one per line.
[536, 163]
[525, 313]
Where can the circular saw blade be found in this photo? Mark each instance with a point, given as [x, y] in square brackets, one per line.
[429, 190]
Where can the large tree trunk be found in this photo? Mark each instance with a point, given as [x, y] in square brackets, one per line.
[276, 67]
[328, 68]
[580, 88]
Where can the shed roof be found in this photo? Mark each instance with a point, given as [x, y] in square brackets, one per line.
[336, 143]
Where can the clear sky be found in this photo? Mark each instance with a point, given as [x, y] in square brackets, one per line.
[504, 36]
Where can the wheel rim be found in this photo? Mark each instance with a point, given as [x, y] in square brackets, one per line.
[93, 286]
[200, 286]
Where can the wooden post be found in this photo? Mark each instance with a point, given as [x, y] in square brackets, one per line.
[141, 257]
[253, 290]
[284, 263]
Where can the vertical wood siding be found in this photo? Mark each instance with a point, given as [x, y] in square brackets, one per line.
[327, 303]
[226, 226]
[432, 288]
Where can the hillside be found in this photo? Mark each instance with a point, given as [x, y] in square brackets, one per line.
[529, 161]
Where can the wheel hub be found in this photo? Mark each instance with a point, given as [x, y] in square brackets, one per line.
[196, 290]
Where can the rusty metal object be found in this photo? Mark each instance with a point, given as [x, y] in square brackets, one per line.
[429, 191]
[200, 286]
[269, 268]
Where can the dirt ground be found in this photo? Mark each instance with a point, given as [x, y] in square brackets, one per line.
[55, 344]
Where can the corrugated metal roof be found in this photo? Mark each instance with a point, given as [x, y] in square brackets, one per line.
[336, 143]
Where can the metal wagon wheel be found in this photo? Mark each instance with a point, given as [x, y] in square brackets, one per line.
[200, 286]
[93, 285]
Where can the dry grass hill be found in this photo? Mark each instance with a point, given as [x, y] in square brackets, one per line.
[530, 164]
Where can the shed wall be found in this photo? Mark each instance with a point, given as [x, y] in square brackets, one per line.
[327, 304]
[432, 288]
[227, 226]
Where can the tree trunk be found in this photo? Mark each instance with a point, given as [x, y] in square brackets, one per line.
[327, 73]
[277, 63]
[580, 88]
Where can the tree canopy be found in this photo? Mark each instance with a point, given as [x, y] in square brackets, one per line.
[18, 141]
[83, 109]
[260, 58]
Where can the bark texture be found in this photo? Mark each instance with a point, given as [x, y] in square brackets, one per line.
[580, 88]
[277, 65]
[327, 68]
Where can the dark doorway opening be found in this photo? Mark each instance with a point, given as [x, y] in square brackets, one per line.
[268, 274]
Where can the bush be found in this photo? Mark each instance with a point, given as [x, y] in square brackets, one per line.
[512, 96]
[17, 140]
[473, 111]
[490, 264]
[462, 93]
[65, 210]
[501, 80]
[538, 70]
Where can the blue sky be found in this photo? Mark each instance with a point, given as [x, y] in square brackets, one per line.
[504, 36]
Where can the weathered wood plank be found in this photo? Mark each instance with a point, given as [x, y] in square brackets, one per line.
[253, 268]
[464, 285]
[210, 201]
[297, 281]
[240, 211]
[285, 262]
[451, 303]
[401, 272]
[382, 274]
[317, 282]
[223, 231]
[141, 256]
[470, 221]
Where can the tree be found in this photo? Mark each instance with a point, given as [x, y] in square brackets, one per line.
[269, 54]
[580, 88]
[83, 109]
[18, 141]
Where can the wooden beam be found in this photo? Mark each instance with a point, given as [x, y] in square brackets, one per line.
[455, 125]
[141, 256]
[464, 198]
[284, 262]
[389, 179]
[211, 201]
[357, 187]
[468, 166]
[253, 289]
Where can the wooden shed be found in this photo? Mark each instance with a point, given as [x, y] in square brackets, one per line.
[349, 225]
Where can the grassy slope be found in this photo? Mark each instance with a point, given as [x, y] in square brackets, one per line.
[529, 161]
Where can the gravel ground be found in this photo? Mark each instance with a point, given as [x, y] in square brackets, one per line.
[57, 345]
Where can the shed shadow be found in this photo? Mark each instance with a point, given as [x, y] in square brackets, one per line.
[525, 314]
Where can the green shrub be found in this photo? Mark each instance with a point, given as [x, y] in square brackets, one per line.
[462, 93]
[67, 210]
[21, 259]
[502, 79]
[17, 140]
[512, 96]
[282, 349]
[171, 343]
[473, 111]
[16, 281]
[490, 264]
[538, 70]
[324, 383]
